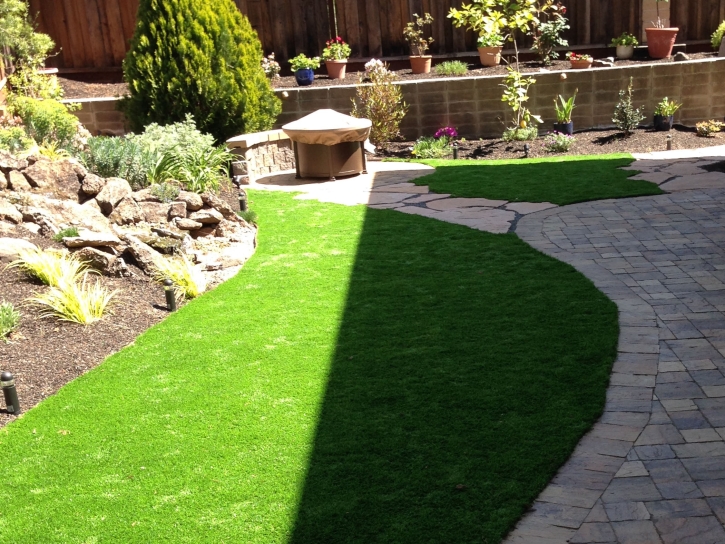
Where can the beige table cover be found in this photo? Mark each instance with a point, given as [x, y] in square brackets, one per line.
[328, 127]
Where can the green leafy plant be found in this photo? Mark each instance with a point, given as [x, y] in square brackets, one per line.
[69, 232]
[201, 170]
[165, 191]
[199, 57]
[50, 267]
[548, 35]
[431, 148]
[413, 34]
[172, 136]
[626, 116]
[520, 134]
[716, 38]
[451, 68]
[625, 39]
[117, 157]
[667, 107]
[336, 49]
[708, 129]
[381, 101]
[15, 140]
[9, 319]
[516, 94]
[556, 142]
[53, 151]
[493, 39]
[564, 108]
[250, 216]
[302, 62]
[577, 57]
[46, 121]
[188, 281]
[78, 302]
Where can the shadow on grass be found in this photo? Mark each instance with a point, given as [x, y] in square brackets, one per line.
[559, 180]
[467, 367]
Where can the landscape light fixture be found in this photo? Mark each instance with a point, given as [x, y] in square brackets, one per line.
[455, 150]
[7, 380]
[242, 200]
[669, 142]
[170, 295]
[527, 148]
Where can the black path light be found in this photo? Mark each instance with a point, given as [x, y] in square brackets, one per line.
[527, 149]
[669, 142]
[7, 380]
[170, 295]
[242, 200]
[455, 150]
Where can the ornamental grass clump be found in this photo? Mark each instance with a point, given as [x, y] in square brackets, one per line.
[80, 302]
[69, 232]
[188, 281]
[626, 117]
[9, 319]
[381, 101]
[50, 267]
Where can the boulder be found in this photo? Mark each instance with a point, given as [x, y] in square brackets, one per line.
[193, 201]
[602, 63]
[10, 248]
[144, 256]
[68, 212]
[41, 175]
[78, 168]
[187, 224]
[105, 263]
[680, 57]
[217, 203]
[236, 254]
[166, 246]
[93, 205]
[128, 212]
[3, 182]
[155, 212]
[42, 218]
[235, 232]
[112, 193]
[67, 183]
[177, 209]
[92, 184]
[168, 233]
[10, 213]
[17, 182]
[32, 227]
[206, 216]
[87, 238]
[145, 195]
[204, 232]
[9, 162]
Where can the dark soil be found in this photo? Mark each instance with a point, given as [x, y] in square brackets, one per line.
[77, 89]
[44, 353]
[592, 142]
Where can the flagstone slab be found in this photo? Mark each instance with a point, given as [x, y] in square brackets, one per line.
[454, 203]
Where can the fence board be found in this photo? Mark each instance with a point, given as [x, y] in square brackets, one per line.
[697, 19]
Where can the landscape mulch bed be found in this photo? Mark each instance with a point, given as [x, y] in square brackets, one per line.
[594, 142]
[77, 89]
[45, 353]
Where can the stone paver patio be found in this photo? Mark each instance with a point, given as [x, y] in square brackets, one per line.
[652, 470]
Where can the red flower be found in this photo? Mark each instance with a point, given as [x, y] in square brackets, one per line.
[563, 10]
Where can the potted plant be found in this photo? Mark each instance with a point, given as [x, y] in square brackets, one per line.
[335, 56]
[625, 45]
[579, 62]
[419, 61]
[564, 124]
[303, 68]
[665, 114]
[660, 39]
[490, 46]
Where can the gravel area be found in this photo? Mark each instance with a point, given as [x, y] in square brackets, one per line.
[44, 353]
[587, 143]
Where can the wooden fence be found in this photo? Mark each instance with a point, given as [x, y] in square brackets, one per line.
[96, 33]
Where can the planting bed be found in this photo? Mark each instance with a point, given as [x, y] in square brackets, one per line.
[593, 142]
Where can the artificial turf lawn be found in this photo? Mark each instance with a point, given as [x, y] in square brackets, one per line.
[362, 365]
[559, 180]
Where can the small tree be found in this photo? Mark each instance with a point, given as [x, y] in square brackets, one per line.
[198, 57]
[626, 116]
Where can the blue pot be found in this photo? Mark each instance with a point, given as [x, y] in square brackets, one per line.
[304, 77]
[565, 128]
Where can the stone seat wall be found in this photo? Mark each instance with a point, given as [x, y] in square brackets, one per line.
[260, 154]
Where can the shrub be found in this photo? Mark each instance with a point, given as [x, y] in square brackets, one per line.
[15, 140]
[520, 134]
[70, 232]
[182, 135]
[707, 129]
[516, 94]
[198, 57]
[271, 67]
[188, 281]
[46, 121]
[78, 302]
[117, 157]
[547, 36]
[413, 34]
[250, 216]
[717, 36]
[165, 192]
[336, 49]
[381, 102]
[626, 117]
[451, 68]
[556, 142]
[201, 170]
[9, 319]
[50, 267]
[432, 148]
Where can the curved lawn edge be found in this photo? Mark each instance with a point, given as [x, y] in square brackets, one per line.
[558, 180]
[351, 334]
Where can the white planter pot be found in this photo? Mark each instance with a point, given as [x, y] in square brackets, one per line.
[625, 52]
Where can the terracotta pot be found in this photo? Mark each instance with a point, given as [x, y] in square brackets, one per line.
[625, 52]
[490, 56]
[580, 64]
[420, 64]
[336, 68]
[660, 41]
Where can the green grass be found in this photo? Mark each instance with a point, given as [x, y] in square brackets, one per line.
[362, 365]
[559, 180]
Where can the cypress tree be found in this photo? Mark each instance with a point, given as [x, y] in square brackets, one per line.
[200, 57]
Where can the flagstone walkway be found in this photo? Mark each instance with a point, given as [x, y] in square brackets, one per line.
[652, 470]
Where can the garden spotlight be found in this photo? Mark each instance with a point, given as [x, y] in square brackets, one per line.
[455, 150]
[7, 380]
[242, 200]
[170, 295]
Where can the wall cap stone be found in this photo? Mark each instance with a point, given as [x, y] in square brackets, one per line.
[245, 141]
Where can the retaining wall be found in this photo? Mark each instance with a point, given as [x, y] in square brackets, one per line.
[100, 116]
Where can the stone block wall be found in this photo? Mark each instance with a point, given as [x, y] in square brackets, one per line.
[473, 104]
[101, 116]
[261, 153]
